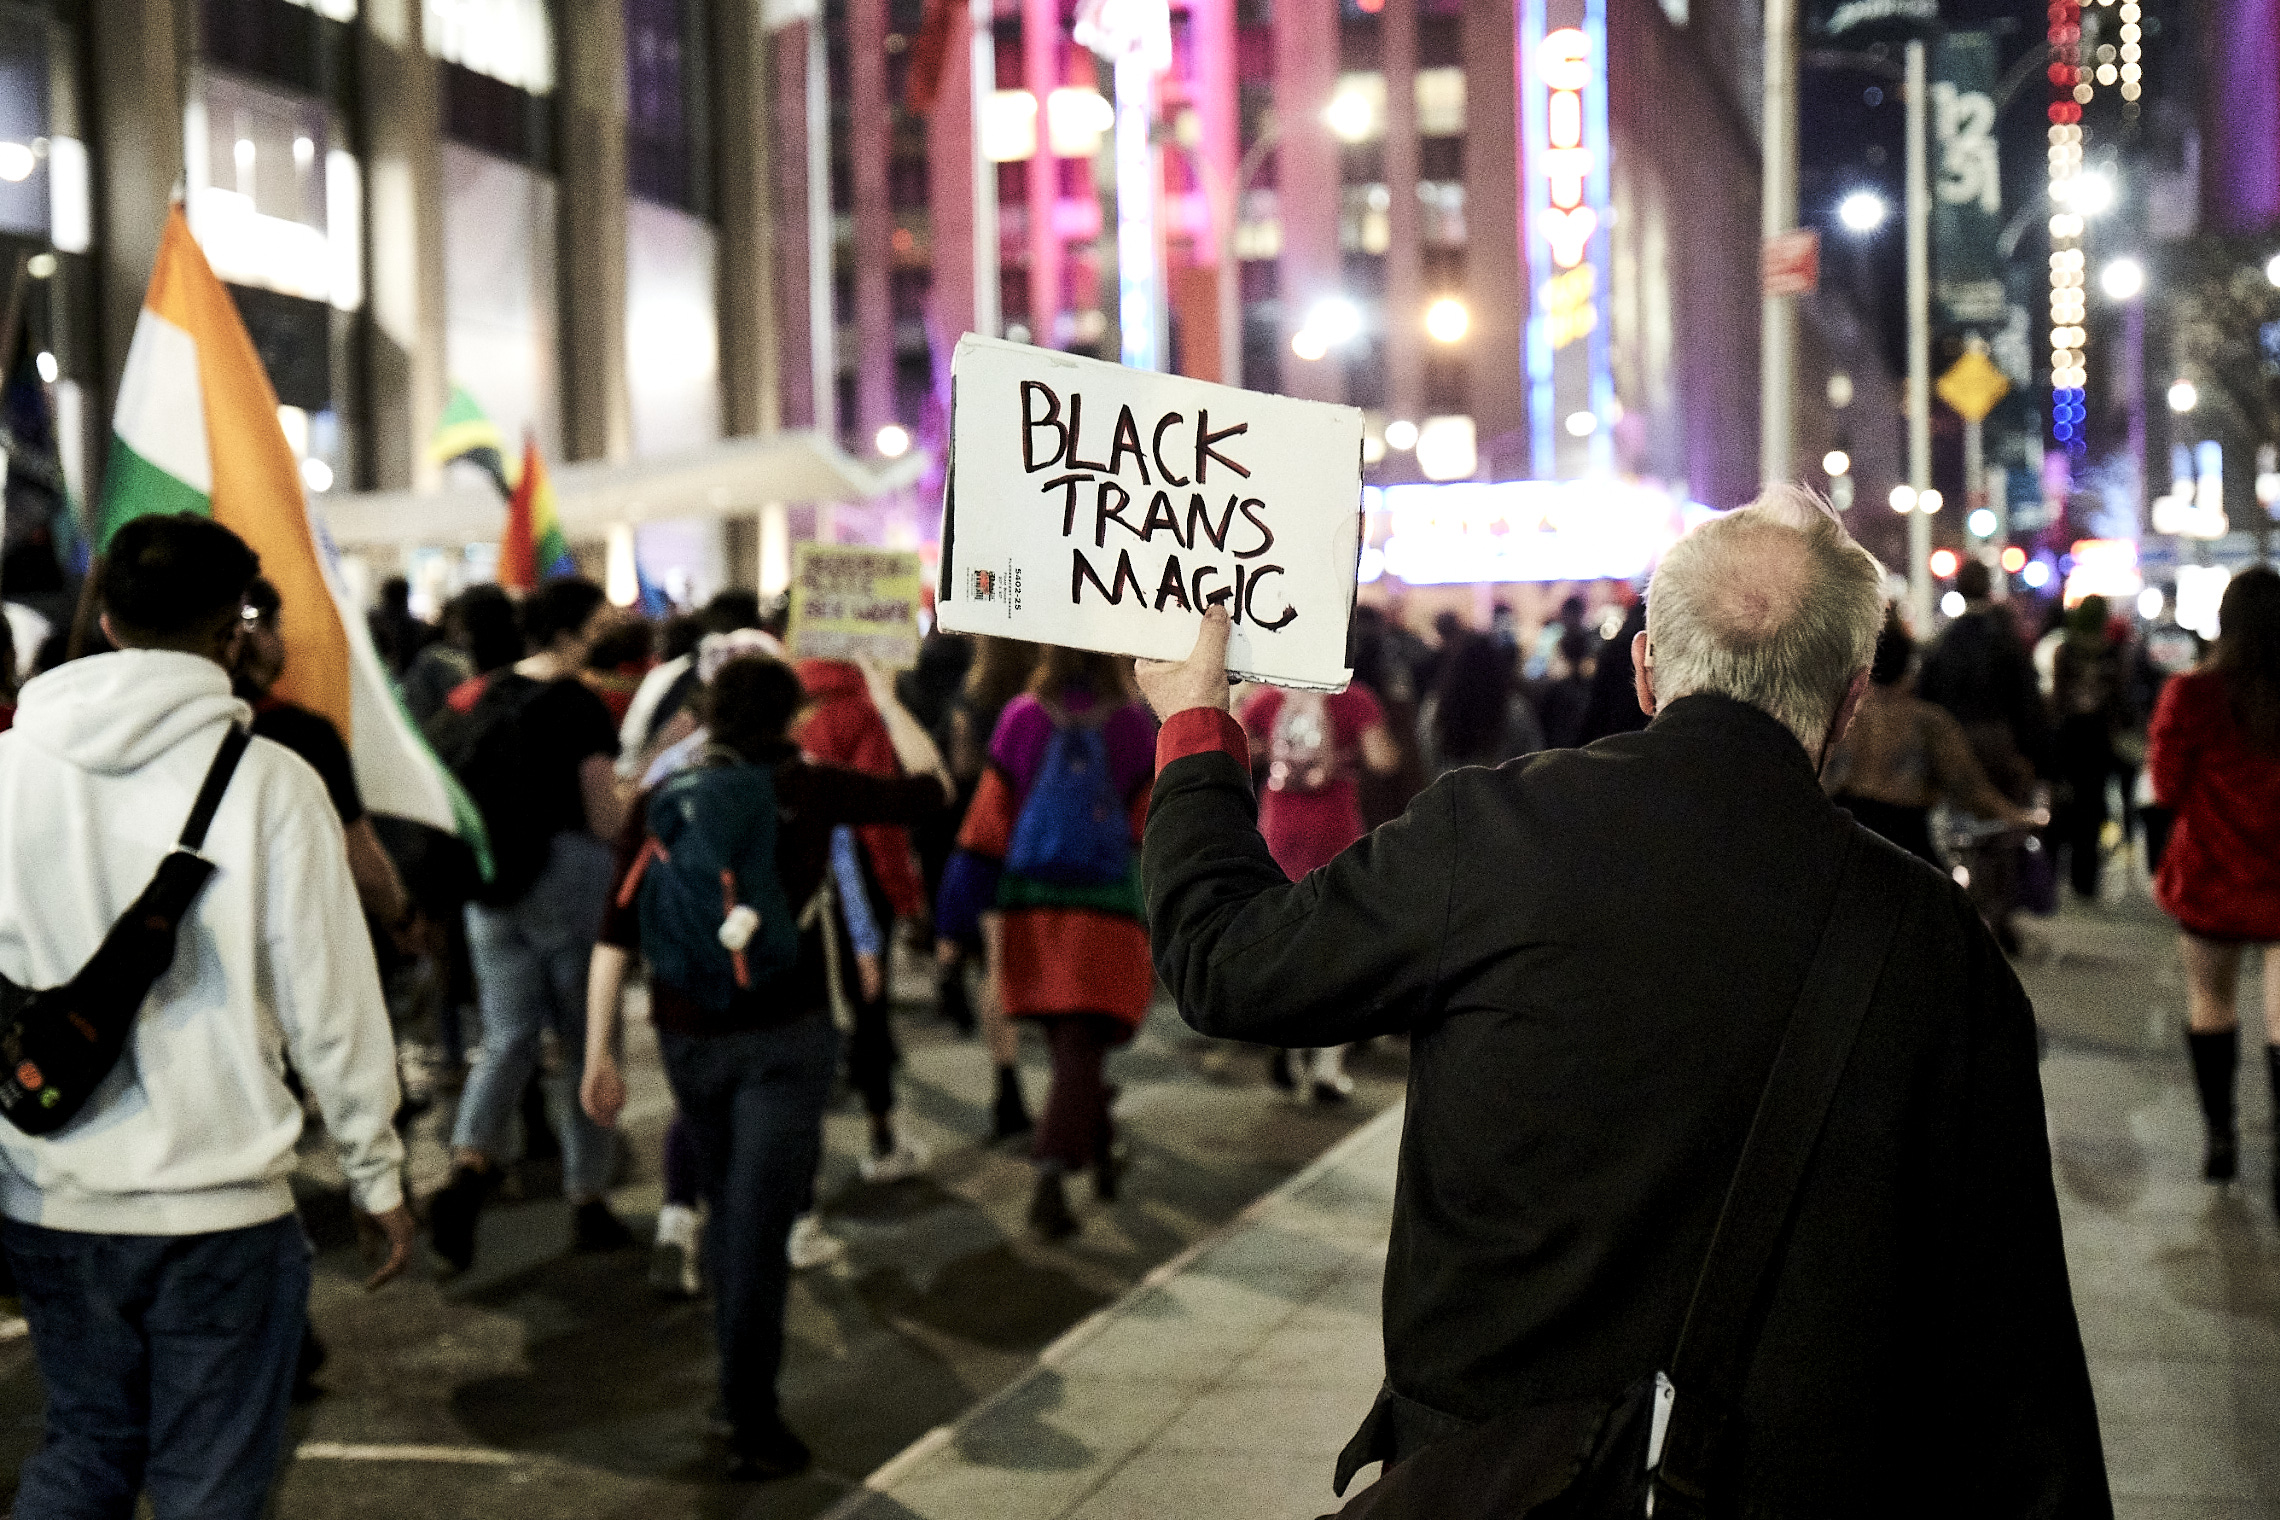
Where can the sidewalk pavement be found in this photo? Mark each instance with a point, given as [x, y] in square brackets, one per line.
[1225, 1384]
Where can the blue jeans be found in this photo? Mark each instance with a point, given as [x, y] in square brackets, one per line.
[530, 974]
[168, 1361]
[755, 1101]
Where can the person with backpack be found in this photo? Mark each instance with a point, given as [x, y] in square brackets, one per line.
[152, 1235]
[1312, 747]
[1050, 846]
[718, 885]
[536, 755]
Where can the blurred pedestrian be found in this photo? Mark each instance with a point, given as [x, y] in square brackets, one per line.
[619, 660]
[1553, 636]
[1476, 714]
[2214, 754]
[397, 633]
[845, 723]
[1613, 707]
[1596, 955]
[1902, 754]
[751, 1068]
[153, 1238]
[1382, 656]
[665, 692]
[1564, 699]
[538, 761]
[2090, 691]
[1000, 672]
[1051, 840]
[1314, 748]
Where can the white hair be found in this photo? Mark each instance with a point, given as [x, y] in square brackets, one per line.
[1773, 605]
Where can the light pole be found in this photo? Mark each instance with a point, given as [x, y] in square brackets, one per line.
[1919, 345]
[987, 317]
[1777, 214]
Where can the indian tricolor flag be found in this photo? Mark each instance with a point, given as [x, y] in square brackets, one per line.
[197, 431]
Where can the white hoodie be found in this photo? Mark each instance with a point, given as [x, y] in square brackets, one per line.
[194, 1130]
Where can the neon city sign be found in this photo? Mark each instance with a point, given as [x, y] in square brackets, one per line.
[1565, 190]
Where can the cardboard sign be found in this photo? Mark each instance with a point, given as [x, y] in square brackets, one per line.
[855, 604]
[1100, 507]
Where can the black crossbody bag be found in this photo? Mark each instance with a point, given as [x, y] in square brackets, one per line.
[59, 1043]
[1656, 1448]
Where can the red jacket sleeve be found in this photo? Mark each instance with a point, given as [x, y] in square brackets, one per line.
[2173, 741]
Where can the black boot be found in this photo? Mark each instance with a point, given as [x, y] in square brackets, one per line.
[452, 1214]
[1049, 1212]
[2216, 1056]
[953, 1003]
[1011, 1116]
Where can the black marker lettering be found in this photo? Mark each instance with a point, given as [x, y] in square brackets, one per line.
[1266, 534]
[1068, 483]
[1162, 423]
[1235, 607]
[1082, 572]
[1076, 424]
[1162, 514]
[1104, 514]
[1202, 572]
[1170, 588]
[1030, 424]
[1251, 597]
[1204, 439]
[1199, 520]
[1127, 441]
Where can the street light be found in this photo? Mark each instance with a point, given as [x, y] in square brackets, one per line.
[1903, 498]
[1334, 322]
[1836, 462]
[2272, 269]
[1862, 212]
[893, 441]
[2122, 279]
[1982, 522]
[1401, 434]
[2093, 193]
[1929, 501]
[1447, 320]
[2184, 396]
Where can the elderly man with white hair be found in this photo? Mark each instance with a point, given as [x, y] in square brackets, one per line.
[1597, 955]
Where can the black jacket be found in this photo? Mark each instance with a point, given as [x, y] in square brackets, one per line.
[1594, 953]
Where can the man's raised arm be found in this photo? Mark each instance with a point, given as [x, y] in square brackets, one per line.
[1351, 951]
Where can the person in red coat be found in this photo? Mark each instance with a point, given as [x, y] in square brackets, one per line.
[2214, 751]
[842, 726]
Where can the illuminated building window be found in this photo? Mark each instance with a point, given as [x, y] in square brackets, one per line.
[1442, 203]
[1364, 225]
[1440, 102]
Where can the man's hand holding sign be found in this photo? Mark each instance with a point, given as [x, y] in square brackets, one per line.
[1105, 508]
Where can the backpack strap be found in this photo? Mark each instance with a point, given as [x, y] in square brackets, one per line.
[218, 775]
[1713, 1347]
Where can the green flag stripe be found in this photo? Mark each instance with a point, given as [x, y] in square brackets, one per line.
[134, 487]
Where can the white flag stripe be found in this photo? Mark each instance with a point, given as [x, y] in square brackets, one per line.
[393, 769]
[162, 406]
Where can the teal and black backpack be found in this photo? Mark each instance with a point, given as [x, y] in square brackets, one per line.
[712, 849]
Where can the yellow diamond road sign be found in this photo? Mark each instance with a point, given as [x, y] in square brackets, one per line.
[1972, 386]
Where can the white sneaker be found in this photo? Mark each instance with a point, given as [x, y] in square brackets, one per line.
[907, 1159]
[673, 1259]
[810, 1247]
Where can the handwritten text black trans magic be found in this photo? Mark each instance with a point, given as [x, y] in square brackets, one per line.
[1047, 440]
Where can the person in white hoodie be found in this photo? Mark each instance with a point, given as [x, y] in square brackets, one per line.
[162, 1269]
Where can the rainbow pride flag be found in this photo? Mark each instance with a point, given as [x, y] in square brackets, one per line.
[197, 431]
[533, 548]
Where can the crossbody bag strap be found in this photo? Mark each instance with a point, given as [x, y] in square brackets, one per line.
[1707, 1366]
[234, 743]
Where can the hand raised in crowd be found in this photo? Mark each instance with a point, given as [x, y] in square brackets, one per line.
[602, 1092]
[394, 1231]
[1200, 680]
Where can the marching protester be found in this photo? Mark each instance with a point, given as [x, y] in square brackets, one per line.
[1000, 671]
[2091, 696]
[2214, 755]
[1596, 955]
[1313, 749]
[1476, 714]
[537, 756]
[1902, 754]
[1048, 848]
[740, 840]
[153, 1238]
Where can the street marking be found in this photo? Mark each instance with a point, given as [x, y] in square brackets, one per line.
[348, 1451]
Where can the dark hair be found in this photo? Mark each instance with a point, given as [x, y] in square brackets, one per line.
[1061, 670]
[1973, 581]
[262, 597]
[488, 628]
[2247, 655]
[681, 635]
[1895, 651]
[749, 704]
[558, 607]
[171, 576]
[396, 594]
[731, 610]
[1472, 697]
[626, 644]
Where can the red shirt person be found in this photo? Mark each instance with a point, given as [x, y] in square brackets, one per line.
[1314, 746]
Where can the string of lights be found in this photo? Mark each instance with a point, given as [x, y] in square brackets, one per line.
[2076, 73]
